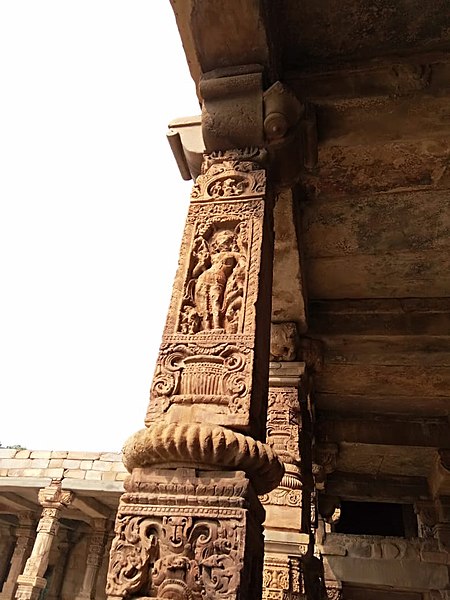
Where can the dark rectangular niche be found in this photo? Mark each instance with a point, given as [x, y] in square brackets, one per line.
[377, 518]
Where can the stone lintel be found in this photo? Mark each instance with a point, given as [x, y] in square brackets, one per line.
[27, 482]
[92, 485]
[395, 489]
[378, 430]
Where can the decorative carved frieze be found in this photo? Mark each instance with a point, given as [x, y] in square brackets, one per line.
[205, 369]
[282, 578]
[188, 542]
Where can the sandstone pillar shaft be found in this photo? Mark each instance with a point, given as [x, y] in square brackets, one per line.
[96, 551]
[63, 546]
[31, 582]
[189, 525]
[285, 538]
[25, 535]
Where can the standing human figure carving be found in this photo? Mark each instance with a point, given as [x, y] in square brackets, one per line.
[215, 281]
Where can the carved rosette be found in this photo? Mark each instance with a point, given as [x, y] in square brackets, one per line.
[205, 368]
[190, 552]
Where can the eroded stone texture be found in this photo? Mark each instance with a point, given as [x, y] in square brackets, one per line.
[206, 544]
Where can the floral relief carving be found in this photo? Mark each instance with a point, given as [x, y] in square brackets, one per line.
[178, 554]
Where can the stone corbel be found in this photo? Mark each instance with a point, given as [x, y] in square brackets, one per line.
[236, 113]
[324, 462]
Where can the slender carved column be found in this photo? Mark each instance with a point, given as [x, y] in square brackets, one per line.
[61, 555]
[95, 553]
[283, 524]
[32, 581]
[25, 535]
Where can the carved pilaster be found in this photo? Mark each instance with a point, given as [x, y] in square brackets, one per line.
[31, 581]
[284, 425]
[182, 533]
[95, 553]
[25, 536]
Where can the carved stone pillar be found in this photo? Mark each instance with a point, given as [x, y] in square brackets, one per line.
[25, 535]
[32, 582]
[189, 525]
[59, 560]
[284, 535]
[95, 553]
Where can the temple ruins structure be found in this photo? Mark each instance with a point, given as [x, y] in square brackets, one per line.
[303, 378]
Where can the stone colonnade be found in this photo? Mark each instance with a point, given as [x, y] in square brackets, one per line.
[27, 550]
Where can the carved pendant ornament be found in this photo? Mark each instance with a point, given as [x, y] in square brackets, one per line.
[206, 361]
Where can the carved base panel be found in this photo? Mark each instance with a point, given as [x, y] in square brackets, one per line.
[282, 578]
[183, 534]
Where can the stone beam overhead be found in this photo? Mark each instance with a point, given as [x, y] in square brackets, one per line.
[219, 34]
[382, 430]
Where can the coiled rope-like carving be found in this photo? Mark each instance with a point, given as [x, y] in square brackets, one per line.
[204, 445]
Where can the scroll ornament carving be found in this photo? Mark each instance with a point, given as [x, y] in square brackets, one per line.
[334, 592]
[189, 373]
[204, 445]
[178, 557]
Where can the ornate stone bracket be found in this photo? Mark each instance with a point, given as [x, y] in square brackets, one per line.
[236, 113]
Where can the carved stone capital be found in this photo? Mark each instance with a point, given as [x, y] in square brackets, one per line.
[54, 497]
[204, 446]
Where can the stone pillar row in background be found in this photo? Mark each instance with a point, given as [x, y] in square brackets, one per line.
[28, 549]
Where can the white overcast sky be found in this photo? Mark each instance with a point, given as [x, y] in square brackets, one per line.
[91, 214]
